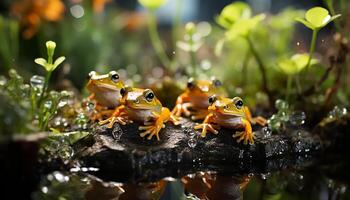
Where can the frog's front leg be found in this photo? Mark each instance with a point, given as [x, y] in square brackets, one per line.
[119, 115]
[254, 120]
[247, 135]
[207, 126]
[152, 128]
[182, 106]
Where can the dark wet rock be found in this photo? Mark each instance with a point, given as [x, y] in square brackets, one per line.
[121, 150]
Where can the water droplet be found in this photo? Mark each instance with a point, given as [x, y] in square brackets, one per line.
[90, 106]
[37, 81]
[48, 104]
[297, 118]
[267, 132]
[3, 80]
[192, 143]
[264, 176]
[281, 105]
[62, 103]
[284, 116]
[241, 154]
[44, 189]
[337, 112]
[298, 43]
[174, 52]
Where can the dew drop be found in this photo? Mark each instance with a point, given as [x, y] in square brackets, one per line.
[37, 81]
[297, 118]
[192, 143]
[267, 132]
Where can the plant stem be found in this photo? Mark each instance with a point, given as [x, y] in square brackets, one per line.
[155, 39]
[330, 6]
[312, 47]
[46, 85]
[289, 85]
[262, 68]
[193, 64]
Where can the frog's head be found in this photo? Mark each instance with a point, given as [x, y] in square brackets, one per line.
[204, 86]
[227, 106]
[104, 82]
[138, 98]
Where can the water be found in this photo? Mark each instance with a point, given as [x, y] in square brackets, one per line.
[37, 81]
[295, 183]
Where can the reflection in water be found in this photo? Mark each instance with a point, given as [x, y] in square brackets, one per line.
[206, 185]
[101, 191]
[287, 184]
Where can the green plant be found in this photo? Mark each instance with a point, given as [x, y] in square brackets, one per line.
[316, 18]
[238, 21]
[152, 6]
[293, 66]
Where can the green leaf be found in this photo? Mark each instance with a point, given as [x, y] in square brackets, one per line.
[41, 61]
[233, 12]
[243, 27]
[152, 4]
[306, 23]
[317, 16]
[295, 64]
[58, 61]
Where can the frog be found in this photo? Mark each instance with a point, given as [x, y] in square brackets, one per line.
[193, 102]
[105, 93]
[141, 106]
[232, 114]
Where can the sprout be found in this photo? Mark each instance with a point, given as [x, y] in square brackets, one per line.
[152, 4]
[48, 64]
[317, 18]
[243, 27]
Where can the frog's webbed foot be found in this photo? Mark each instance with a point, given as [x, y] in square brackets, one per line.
[118, 116]
[244, 136]
[206, 127]
[259, 120]
[123, 120]
[100, 115]
[199, 114]
[182, 108]
[152, 128]
[175, 119]
[247, 136]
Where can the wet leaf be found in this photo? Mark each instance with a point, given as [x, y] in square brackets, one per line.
[295, 64]
[243, 27]
[316, 18]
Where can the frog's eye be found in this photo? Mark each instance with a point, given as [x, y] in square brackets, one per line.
[238, 102]
[91, 74]
[190, 83]
[216, 83]
[114, 76]
[212, 99]
[149, 95]
[123, 91]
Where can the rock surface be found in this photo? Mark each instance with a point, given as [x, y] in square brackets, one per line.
[121, 154]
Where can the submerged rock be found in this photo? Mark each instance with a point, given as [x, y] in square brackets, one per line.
[120, 153]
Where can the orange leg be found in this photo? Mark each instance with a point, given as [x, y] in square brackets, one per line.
[207, 126]
[254, 120]
[247, 135]
[153, 127]
[119, 115]
[182, 106]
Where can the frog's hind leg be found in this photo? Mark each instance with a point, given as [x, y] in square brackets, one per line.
[247, 135]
